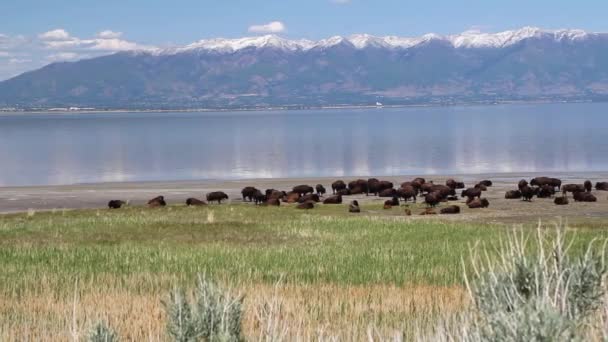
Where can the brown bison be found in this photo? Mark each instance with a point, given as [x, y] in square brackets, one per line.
[320, 189]
[443, 190]
[336, 199]
[486, 182]
[356, 191]
[218, 196]
[116, 204]
[248, 193]
[419, 180]
[344, 192]
[471, 193]
[354, 207]
[573, 188]
[359, 183]
[303, 189]
[432, 199]
[428, 211]
[373, 186]
[273, 201]
[561, 200]
[259, 197]
[454, 184]
[546, 191]
[584, 197]
[306, 205]
[388, 193]
[602, 186]
[275, 194]
[337, 186]
[392, 202]
[157, 202]
[452, 209]
[291, 197]
[588, 186]
[522, 183]
[527, 193]
[407, 192]
[478, 203]
[309, 197]
[481, 187]
[540, 181]
[195, 202]
[414, 185]
[408, 212]
[513, 194]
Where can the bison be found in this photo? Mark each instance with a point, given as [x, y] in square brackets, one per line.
[573, 188]
[588, 186]
[116, 204]
[584, 197]
[486, 182]
[428, 211]
[481, 187]
[546, 191]
[513, 194]
[218, 196]
[432, 199]
[303, 189]
[452, 209]
[309, 197]
[454, 184]
[354, 207]
[291, 197]
[344, 192]
[393, 202]
[561, 200]
[275, 194]
[336, 199]
[602, 186]
[359, 183]
[259, 197]
[306, 205]
[540, 181]
[471, 193]
[522, 183]
[157, 202]
[388, 193]
[320, 189]
[407, 192]
[356, 191]
[337, 186]
[527, 193]
[248, 193]
[273, 201]
[478, 203]
[195, 202]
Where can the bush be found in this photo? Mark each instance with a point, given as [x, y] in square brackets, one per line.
[102, 333]
[213, 315]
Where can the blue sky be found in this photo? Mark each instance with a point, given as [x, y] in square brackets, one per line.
[89, 28]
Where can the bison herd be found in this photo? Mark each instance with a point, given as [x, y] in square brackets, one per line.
[307, 197]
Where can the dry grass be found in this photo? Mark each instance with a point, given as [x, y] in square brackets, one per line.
[303, 311]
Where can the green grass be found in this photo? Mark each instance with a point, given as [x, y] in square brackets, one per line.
[241, 243]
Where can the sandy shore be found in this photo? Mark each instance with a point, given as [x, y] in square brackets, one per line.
[18, 199]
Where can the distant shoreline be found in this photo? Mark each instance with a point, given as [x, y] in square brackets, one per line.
[292, 107]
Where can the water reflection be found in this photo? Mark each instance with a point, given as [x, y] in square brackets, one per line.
[67, 149]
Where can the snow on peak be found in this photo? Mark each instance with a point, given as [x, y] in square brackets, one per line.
[467, 39]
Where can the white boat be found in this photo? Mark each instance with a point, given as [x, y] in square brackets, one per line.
[378, 104]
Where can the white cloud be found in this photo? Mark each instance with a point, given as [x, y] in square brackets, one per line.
[19, 61]
[341, 2]
[271, 27]
[55, 35]
[109, 34]
[4, 54]
[64, 56]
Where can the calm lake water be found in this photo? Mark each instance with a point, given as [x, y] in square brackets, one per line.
[37, 149]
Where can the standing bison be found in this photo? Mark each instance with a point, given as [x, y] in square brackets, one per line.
[601, 186]
[116, 204]
[540, 181]
[218, 196]
[337, 186]
[157, 202]
[248, 193]
[320, 189]
[303, 189]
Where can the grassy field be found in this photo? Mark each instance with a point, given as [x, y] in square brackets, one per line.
[334, 274]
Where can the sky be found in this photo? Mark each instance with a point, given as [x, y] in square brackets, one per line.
[34, 33]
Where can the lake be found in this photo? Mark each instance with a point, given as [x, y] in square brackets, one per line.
[45, 149]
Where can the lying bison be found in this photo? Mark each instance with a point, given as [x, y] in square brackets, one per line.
[291, 197]
[273, 201]
[248, 193]
[337, 186]
[218, 196]
[306, 205]
[602, 186]
[452, 209]
[157, 202]
[584, 197]
[486, 182]
[344, 192]
[478, 203]
[540, 181]
[303, 189]
[513, 194]
[561, 200]
[116, 204]
[392, 202]
[195, 202]
[309, 197]
[336, 199]
[275, 194]
[354, 207]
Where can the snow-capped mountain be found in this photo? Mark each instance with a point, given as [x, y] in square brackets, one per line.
[468, 39]
[525, 64]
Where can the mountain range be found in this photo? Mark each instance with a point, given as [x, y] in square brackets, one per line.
[529, 64]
